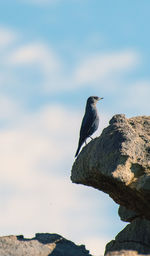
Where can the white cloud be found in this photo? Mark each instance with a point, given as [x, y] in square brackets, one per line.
[9, 109]
[7, 37]
[97, 67]
[38, 56]
[36, 154]
[97, 70]
[35, 53]
[39, 138]
[37, 150]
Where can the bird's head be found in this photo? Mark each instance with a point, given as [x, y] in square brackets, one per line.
[93, 100]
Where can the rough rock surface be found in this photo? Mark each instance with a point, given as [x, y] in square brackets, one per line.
[126, 214]
[135, 236]
[40, 245]
[125, 253]
[118, 163]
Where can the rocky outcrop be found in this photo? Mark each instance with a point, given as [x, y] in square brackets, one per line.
[40, 245]
[118, 163]
[134, 236]
[125, 253]
[126, 214]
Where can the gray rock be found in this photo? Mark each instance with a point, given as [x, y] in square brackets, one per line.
[135, 237]
[40, 245]
[118, 163]
[125, 253]
[126, 214]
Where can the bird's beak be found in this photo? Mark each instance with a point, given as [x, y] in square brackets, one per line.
[100, 98]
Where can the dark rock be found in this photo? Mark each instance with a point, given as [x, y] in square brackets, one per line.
[125, 253]
[118, 163]
[126, 214]
[135, 237]
[40, 245]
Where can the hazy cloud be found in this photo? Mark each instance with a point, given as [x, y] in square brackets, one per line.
[36, 155]
[37, 54]
[97, 70]
[37, 147]
[7, 37]
[99, 66]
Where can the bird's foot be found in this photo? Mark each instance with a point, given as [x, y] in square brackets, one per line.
[85, 142]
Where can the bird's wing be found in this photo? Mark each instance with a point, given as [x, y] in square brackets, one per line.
[86, 125]
[86, 128]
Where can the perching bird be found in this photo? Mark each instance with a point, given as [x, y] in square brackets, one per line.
[90, 121]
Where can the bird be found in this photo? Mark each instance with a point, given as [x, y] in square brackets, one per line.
[90, 121]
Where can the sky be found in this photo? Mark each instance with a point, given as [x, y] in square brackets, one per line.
[54, 54]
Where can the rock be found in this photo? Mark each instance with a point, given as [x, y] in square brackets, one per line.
[118, 163]
[135, 237]
[126, 214]
[40, 245]
[125, 253]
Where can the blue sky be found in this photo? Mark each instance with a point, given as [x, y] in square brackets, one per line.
[54, 54]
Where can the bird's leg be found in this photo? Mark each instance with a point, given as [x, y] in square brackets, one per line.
[85, 142]
[91, 138]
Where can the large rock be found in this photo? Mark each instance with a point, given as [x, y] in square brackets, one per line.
[125, 253]
[40, 245]
[135, 237]
[118, 163]
[126, 214]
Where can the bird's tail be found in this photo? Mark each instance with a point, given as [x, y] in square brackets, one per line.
[79, 146]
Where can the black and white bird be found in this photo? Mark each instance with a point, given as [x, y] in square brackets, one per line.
[90, 121]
